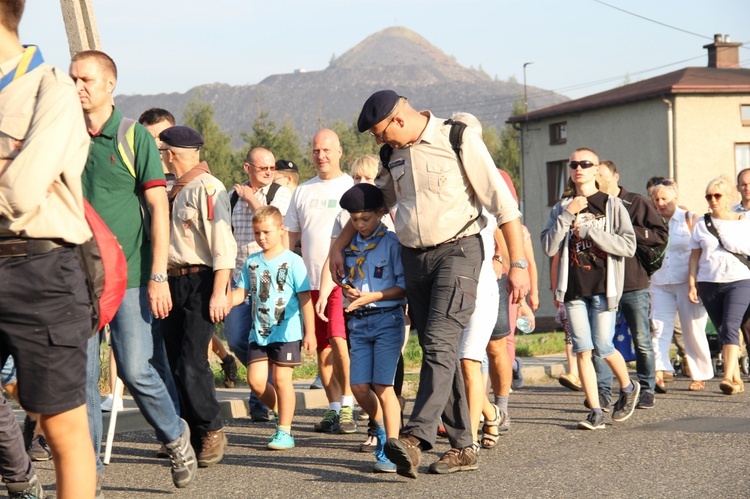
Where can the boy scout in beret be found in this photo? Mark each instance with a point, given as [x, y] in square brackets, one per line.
[375, 315]
[201, 257]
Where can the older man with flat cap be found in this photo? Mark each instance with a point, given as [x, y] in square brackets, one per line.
[439, 196]
[201, 258]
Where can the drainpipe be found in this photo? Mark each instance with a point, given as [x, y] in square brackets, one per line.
[670, 136]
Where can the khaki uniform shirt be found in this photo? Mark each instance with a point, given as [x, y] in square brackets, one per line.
[196, 240]
[439, 198]
[43, 149]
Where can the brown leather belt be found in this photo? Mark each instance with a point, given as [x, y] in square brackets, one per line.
[29, 247]
[188, 269]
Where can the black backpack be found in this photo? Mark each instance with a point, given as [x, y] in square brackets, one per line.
[650, 257]
[269, 197]
[456, 137]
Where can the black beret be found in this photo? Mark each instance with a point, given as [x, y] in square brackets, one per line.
[362, 197]
[285, 165]
[377, 108]
[181, 136]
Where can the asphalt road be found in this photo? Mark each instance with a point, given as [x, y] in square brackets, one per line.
[690, 445]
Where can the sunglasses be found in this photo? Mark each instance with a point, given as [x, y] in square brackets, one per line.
[664, 181]
[583, 164]
[716, 196]
[264, 168]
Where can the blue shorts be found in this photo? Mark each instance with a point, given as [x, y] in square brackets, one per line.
[376, 342]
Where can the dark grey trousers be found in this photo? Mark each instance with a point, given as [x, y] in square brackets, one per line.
[15, 465]
[441, 286]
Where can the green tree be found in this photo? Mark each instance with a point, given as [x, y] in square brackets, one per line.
[353, 143]
[507, 156]
[283, 142]
[217, 151]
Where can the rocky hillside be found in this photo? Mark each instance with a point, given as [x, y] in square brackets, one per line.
[395, 58]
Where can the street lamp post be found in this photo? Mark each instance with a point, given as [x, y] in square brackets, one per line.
[522, 152]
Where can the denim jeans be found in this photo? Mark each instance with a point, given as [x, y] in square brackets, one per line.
[161, 364]
[94, 398]
[636, 307]
[133, 345]
[592, 325]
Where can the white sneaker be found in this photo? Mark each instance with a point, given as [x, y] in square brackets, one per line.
[107, 404]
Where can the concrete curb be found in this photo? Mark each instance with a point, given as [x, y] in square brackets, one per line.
[234, 401]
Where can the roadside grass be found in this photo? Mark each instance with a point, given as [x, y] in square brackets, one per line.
[530, 345]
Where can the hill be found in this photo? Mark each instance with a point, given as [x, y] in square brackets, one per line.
[395, 57]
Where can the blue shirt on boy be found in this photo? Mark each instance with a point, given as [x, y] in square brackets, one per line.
[273, 286]
[382, 268]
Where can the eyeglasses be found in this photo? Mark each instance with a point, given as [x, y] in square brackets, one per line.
[583, 164]
[381, 136]
[715, 196]
[263, 168]
[162, 149]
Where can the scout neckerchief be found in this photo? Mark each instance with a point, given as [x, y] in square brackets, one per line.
[361, 254]
[31, 58]
[188, 177]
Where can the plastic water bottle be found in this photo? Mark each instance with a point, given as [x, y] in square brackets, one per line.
[523, 324]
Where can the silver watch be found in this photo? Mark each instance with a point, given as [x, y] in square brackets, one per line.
[158, 277]
[521, 264]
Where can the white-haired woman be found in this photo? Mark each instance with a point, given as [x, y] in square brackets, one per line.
[669, 285]
[720, 274]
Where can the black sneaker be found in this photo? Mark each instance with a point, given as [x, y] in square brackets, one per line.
[594, 421]
[645, 401]
[184, 462]
[229, 369]
[39, 450]
[329, 423]
[604, 402]
[27, 490]
[518, 380]
[625, 404]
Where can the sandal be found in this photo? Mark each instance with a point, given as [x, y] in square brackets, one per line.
[660, 388]
[697, 385]
[739, 386]
[728, 387]
[489, 439]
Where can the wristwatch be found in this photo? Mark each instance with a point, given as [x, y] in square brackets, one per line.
[521, 264]
[158, 277]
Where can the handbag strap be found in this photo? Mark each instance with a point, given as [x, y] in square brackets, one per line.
[712, 229]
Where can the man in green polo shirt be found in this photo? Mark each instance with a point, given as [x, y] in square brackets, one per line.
[113, 188]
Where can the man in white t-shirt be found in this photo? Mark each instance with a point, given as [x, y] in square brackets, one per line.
[311, 215]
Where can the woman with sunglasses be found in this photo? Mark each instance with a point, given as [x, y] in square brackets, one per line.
[669, 285]
[593, 234]
[720, 274]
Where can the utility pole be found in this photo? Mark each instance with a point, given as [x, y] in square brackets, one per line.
[80, 25]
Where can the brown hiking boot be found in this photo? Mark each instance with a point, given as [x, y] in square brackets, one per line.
[404, 452]
[212, 450]
[456, 460]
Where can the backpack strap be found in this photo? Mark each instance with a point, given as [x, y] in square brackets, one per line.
[385, 155]
[456, 135]
[272, 192]
[126, 150]
[712, 229]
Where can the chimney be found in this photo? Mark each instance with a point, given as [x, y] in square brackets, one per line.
[723, 53]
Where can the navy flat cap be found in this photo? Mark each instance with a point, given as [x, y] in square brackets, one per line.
[182, 136]
[377, 108]
[362, 197]
[286, 165]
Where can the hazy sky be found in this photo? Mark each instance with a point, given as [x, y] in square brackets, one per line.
[578, 47]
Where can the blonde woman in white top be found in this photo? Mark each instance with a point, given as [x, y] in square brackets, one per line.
[719, 277]
[669, 285]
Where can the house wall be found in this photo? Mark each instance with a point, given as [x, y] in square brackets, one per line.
[633, 136]
[706, 130]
